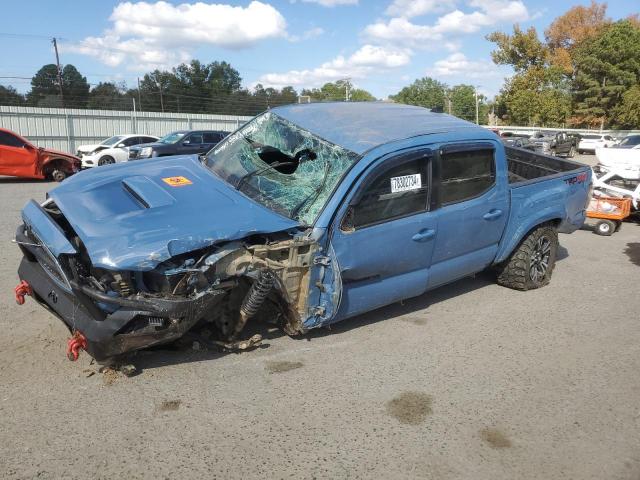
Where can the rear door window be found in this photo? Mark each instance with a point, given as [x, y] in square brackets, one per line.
[195, 138]
[466, 174]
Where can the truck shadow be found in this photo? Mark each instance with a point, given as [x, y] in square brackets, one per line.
[183, 351]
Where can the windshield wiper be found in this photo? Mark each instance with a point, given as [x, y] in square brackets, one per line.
[258, 171]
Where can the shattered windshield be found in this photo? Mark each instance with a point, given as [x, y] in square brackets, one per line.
[283, 167]
[172, 138]
[112, 140]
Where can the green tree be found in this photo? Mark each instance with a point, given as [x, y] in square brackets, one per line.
[606, 67]
[45, 91]
[109, 96]
[627, 113]
[424, 92]
[337, 92]
[463, 103]
[521, 50]
[539, 96]
[9, 96]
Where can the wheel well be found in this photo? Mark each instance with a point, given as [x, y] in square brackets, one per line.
[55, 163]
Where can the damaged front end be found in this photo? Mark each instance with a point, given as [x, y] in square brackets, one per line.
[222, 286]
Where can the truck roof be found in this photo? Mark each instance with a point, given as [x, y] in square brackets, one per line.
[361, 126]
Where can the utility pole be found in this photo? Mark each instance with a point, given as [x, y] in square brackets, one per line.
[139, 98]
[161, 100]
[475, 90]
[55, 47]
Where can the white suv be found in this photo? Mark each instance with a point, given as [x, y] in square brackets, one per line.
[112, 150]
[589, 143]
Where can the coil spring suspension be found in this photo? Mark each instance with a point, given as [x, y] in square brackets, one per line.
[255, 298]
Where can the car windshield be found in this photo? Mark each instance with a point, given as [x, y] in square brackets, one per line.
[283, 167]
[172, 138]
[113, 140]
[631, 141]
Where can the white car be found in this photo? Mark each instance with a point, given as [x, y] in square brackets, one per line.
[590, 143]
[112, 150]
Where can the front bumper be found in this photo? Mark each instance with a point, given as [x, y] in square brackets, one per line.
[89, 161]
[139, 322]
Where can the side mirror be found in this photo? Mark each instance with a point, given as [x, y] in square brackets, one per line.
[120, 145]
[186, 142]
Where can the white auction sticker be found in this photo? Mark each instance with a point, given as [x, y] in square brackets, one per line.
[406, 182]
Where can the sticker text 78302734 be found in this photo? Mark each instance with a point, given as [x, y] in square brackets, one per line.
[406, 182]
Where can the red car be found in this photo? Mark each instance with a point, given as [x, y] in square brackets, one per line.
[20, 158]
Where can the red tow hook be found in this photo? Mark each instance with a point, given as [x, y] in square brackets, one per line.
[21, 290]
[75, 344]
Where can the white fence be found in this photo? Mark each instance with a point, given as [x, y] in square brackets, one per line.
[66, 129]
[582, 131]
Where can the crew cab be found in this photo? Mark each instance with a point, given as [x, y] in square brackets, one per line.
[305, 216]
[561, 144]
[179, 143]
[20, 158]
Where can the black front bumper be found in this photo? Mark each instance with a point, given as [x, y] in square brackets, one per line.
[129, 327]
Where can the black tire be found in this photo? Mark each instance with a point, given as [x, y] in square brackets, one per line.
[605, 228]
[57, 175]
[106, 160]
[532, 262]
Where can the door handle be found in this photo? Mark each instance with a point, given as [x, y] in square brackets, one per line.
[492, 215]
[424, 235]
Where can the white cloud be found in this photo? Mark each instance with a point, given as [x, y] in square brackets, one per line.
[458, 65]
[415, 8]
[311, 33]
[161, 34]
[366, 60]
[332, 3]
[400, 31]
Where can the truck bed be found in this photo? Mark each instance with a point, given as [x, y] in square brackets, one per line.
[525, 165]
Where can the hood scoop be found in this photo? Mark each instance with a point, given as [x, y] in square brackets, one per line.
[146, 192]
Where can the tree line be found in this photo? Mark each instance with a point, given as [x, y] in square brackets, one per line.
[585, 73]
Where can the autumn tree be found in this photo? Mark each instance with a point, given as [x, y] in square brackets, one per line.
[568, 31]
[521, 50]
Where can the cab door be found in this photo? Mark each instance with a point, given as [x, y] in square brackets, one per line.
[473, 208]
[384, 235]
[17, 158]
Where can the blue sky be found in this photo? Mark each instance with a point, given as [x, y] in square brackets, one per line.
[382, 45]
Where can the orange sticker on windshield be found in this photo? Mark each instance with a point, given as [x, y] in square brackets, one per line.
[177, 181]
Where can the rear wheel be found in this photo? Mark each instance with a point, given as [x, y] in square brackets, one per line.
[106, 160]
[531, 264]
[605, 228]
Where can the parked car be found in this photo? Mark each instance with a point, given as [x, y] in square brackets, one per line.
[179, 143]
[519, 142]
[629, 142]
[590, 142]
[561, 144]
[309, 214]
[20, 158]
[112, 150]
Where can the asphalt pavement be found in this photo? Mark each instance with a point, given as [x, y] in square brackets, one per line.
[471, 381]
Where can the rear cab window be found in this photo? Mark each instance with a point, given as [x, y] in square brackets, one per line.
[466, 172]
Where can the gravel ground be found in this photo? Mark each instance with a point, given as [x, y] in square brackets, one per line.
[471, 381]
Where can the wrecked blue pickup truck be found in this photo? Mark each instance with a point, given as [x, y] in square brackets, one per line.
[307, 215]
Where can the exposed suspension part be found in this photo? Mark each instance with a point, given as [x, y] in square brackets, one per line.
[255, 297]
[76, 343]
[21, 290]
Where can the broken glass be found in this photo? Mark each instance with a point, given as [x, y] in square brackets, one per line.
[299, 194]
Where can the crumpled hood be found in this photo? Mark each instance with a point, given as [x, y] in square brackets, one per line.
[90, 148]
[58, 153]
[133, 216]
